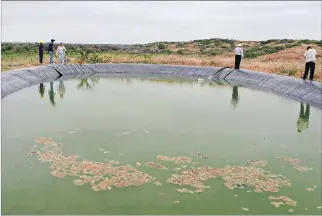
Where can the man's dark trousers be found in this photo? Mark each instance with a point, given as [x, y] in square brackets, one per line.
[41, 57]
[309, 66]
[237, 61]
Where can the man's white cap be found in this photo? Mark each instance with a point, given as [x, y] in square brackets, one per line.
[239, 45]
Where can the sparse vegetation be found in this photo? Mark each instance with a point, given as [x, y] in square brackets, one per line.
[274, 56]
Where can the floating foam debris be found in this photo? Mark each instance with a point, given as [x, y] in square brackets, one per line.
[194, 177]
[122, 133]
[290, 160]
[273, 198]
[138, 164]
[44, 140]
[295, 163]
[290, 210]
[71, 132]
[257, 162]
[184, 190]
[157, 183]
[176, 169]
[34, 152]
[146, 131]
[199, 155]
[315, 186]
[309, 189]
[199, 191]
[195, 163]
[319, 207]
[79, 182]
[155, 165]
[113, 162]
[178, 160]
[176, 202]
[285, 199]
[105, 152]
[245, 209]
[277, 204]
[302, 169]
[90, 172]
[234, 177]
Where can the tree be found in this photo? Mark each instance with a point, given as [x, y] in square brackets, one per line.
[161, 46]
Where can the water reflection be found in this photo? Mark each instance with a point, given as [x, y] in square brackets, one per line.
[41, 90]
[61, 89]
[235, 97]
[88, 83]
[52, 94]
[304, 117]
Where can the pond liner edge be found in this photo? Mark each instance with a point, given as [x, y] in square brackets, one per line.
[296, 89]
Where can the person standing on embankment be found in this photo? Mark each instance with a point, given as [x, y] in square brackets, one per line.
[41, 52]
[310, 57]
[238, 56]
[61, 53]
[51, 51]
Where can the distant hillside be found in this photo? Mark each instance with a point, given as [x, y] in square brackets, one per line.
[204, 47]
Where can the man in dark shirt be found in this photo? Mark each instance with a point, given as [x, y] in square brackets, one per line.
[41, 51]
[51, 51]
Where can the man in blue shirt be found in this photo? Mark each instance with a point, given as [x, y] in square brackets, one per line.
[51, 51]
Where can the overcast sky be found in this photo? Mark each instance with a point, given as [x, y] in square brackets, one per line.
[130, 22]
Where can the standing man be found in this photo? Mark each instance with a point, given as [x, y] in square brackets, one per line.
[310, 57]
[238, 56]
[41, 51]
[51, 51]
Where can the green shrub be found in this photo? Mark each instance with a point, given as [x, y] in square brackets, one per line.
[180, 52]
[161, 46]
[180, 45]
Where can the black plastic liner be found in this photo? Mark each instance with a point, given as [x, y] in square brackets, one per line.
[297, 89]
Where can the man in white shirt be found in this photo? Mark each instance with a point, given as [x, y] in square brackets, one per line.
[238, 56]
[310, 57]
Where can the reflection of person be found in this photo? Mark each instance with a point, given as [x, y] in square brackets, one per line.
[41, 51]
[61, 89]
[61, 53]
[238, 56]
[303, 121]
[41, 90]
[235, 97]
[52, 94]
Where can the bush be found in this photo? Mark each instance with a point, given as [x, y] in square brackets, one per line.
[6, 47]
[180, 52]
[161, 46]
[180, 45]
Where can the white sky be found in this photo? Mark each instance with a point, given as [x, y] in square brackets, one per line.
[119, 22]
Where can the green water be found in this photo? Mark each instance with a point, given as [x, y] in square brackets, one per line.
[135, 120]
